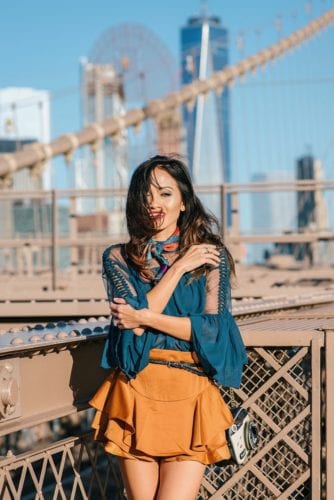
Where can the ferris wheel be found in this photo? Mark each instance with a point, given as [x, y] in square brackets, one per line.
[127, 66]
[140, 59]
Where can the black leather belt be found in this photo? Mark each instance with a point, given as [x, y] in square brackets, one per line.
[183, 365]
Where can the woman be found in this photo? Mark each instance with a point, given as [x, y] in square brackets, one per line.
[172, 339]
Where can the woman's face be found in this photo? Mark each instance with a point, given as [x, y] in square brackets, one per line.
[164, 203]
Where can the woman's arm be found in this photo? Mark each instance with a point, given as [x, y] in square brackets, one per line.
[126, 317]
[196, 256]
[178, 327]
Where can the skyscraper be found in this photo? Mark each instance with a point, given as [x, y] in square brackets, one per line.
[204, 47]
[24, 119]
[102, 97]
[312, 213]
[272, 212]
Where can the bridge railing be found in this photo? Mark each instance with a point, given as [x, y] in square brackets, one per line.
[48, 232]
[288, 387]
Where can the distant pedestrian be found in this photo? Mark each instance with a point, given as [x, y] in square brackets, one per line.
[172, 339]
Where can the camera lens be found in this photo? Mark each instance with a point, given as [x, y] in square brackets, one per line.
[251, 436]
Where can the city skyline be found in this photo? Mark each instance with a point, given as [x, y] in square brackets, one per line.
[259, 30]
[54, 65]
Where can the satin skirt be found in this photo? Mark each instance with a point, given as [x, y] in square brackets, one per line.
[164, 413]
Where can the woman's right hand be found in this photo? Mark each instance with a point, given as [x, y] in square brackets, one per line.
[196, 256]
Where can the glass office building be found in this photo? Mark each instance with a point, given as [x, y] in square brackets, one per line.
[204, 46]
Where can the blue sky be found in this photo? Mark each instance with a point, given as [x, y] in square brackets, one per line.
[41, 44]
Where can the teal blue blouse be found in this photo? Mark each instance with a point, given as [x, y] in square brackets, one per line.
[215, 336]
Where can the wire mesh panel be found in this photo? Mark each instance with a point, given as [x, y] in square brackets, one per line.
[74, 468]
[277, 389]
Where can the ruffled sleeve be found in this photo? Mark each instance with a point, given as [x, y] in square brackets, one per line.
[117, 278]
[123, 348]
[215, 334]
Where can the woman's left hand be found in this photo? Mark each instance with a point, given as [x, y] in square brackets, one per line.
[125, 316]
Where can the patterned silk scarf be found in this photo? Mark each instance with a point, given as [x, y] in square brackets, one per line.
[156, 249]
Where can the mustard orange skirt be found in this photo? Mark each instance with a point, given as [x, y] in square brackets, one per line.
[164, 412]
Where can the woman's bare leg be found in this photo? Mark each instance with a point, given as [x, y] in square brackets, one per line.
[141, 479]
[180, 480]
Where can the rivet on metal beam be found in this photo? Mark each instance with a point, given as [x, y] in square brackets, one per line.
[48, 336]
[17, 341]
[74, 333]
[86, 331]
[62, 335]
[34, 339]
[14, 330]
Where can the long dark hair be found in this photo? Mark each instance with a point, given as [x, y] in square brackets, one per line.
[195, 223]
